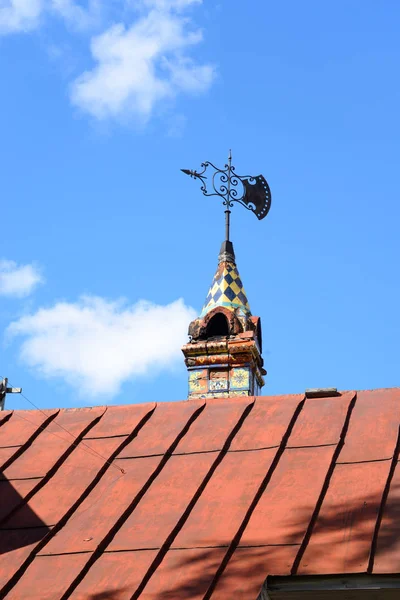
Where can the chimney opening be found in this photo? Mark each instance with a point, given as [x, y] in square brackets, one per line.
[218, 326]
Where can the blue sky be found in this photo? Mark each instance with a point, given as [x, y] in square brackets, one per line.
[108, 250]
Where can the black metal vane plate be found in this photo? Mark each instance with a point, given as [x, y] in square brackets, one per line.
[257, 196]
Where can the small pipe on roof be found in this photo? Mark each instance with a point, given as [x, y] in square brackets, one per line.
[321, 392]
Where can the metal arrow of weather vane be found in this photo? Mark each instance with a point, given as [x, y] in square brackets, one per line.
[252, 192]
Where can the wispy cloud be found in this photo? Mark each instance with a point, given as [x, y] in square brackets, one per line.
[26, 15]
[95, 345]
[138, 63]
[18, 280]
[77, 16]
[20, 15]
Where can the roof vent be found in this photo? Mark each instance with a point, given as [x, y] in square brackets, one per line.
[321, 393]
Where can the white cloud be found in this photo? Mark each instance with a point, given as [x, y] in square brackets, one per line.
[95, 345]
[138, 65]
[162, 4]
[19, 15]
[76, 15]
[141, 65]
[25, 15]
[18, 280]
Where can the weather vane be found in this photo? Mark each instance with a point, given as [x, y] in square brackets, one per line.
[251, 192]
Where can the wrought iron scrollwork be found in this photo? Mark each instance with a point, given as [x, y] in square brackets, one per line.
[252, 192]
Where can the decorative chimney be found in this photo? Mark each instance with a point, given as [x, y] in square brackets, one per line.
[224, 355]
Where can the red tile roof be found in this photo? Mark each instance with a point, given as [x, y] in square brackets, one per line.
[213, 496]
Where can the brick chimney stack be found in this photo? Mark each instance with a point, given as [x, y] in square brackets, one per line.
[223, 356]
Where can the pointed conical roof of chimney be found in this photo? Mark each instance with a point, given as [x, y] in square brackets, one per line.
[227, 288]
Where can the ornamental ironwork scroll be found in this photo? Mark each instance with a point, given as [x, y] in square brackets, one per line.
[252, 192]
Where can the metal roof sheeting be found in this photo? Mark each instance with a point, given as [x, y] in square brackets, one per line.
[212, 498]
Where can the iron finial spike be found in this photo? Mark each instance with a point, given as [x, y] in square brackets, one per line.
[194, 174]
[228, 193]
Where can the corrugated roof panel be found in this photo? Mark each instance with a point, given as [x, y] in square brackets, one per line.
[184, 574]
[48, 577]
[308, 431]
[22, 425]
[211, 430]
[159, 511]
[12, 540]
[342, 536]
[70, 422]
[128, 570]
[284, 511]
[200, 496]
[97, 514]
[51, 444]
[159, 433]
[5, 455]
[374, 426]
[222, 506]
[4, 416]
[387, 555]
[15, 547]
[120, 420]
[267, 422]
[52, 501]
[12, 494]
[124, 489]
[248, 568]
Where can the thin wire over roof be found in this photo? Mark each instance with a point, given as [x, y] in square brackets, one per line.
[212, 497]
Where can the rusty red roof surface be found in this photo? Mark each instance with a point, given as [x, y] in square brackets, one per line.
[197, 499]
